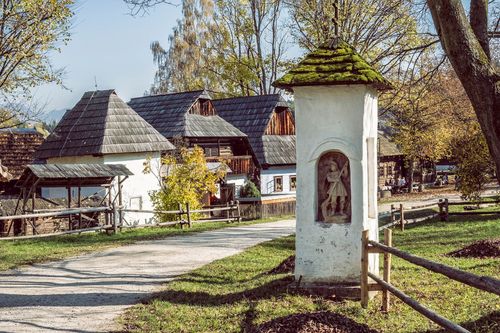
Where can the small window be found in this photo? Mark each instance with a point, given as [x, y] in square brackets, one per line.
[278, 184]
[136, 203]
[293, 183]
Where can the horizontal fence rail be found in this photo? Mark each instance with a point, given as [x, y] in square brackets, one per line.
[484, 283]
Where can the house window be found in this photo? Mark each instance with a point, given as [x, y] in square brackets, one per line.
[293, 183]
[278, 184]
[211, 151]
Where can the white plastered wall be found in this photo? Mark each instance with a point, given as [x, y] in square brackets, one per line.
[267, 180]
[136, 188]
[335, 118]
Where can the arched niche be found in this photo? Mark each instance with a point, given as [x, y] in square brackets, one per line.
[333, 188]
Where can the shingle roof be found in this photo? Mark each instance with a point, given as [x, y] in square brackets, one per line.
[386, 146]
[251, 115]
[17, 147]
[101, 123]
[168, 113]
[334, 63]
[58, 171]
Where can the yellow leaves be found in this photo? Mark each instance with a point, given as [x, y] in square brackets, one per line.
[188, 179]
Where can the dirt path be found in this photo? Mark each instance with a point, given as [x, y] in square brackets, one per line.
[86, 294]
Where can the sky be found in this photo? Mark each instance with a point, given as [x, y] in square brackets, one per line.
[111, 46]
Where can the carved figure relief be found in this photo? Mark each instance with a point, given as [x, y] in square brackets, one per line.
[334, 188]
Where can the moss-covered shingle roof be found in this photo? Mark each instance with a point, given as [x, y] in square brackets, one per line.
[332, 64]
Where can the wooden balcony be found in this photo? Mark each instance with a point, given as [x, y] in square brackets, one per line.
[238, 164]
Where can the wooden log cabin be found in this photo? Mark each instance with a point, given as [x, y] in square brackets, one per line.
[190, 119]
[17, 149]
[270, 126]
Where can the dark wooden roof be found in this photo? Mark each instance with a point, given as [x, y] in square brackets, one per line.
[17, 147]
[85, 174]
[101, 123]
[251, 115]
[169, 114]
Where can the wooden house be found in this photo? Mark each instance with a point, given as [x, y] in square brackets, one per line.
[190, 118]
[390, 161]
[17, 148]
[103, 129]
[270, 126]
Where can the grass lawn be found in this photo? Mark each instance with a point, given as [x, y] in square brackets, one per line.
[29, 251]
[236, 294]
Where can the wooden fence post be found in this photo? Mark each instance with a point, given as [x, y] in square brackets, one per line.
[393, 215]
[188, 214]
[227, 212]
[364, 269]
[446, 210]
[115, 218]
[238, 210]
[402, 217]
[441, 210]
[387, 270]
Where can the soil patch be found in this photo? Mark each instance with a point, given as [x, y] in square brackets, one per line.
[315, 322]
[286, 266]
[487, 248]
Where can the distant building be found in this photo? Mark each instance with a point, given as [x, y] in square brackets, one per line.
[17, 148]
[390, 160]
[190, 119]
[269, 124]
[103, 129]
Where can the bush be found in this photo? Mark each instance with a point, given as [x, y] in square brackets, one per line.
[249, 190]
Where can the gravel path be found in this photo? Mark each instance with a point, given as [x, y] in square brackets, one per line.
[86, 293]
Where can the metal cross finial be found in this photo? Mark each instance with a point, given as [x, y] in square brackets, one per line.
[336, 18]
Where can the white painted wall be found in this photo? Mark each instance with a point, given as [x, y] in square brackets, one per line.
[267, 180]
[135, 188]
[238, 181]
[334, 118]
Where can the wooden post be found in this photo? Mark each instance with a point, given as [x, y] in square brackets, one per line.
[70, 226]
[179, 215]
[79, 206]
[364, 269]
[238, 210]
[387, 270]
[33, 197]
[393, 215]
[120, 202]
[115, 218]
[402, 217]
[446, 210]
[188, 214]
[441, 210]
[110, 204]
[227, 212]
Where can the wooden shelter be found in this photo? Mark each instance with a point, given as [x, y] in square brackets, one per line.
[69, 176]
[390, 160]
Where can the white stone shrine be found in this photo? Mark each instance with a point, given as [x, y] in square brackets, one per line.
[335, 93]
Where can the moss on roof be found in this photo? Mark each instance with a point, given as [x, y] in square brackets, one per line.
[333, 64]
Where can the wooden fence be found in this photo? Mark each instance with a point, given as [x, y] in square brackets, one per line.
[399, 213]
[485, 283]
[114, 217]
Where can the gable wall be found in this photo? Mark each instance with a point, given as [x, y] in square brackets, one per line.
[281, 123]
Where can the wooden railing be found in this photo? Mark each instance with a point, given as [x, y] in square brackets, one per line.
[238, 164]
[485, 283]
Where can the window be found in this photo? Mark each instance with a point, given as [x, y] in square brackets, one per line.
[211, 151]
[136, 203]
[278, 184]
[293, 183]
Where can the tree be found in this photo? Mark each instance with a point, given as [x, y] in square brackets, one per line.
[186, 180]
[418, 119]
[466, 44]
[385, 32]
[29, 31]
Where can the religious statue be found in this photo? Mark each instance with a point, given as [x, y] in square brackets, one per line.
[334, 197]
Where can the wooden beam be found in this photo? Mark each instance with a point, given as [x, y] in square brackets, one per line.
[485, 283]
[387, 270]
[441, 321]
[364, 268]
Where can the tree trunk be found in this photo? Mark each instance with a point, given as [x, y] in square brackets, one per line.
[471, 63]
[411, 171]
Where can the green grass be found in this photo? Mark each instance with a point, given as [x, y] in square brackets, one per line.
[235, 294]
[29, 251]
